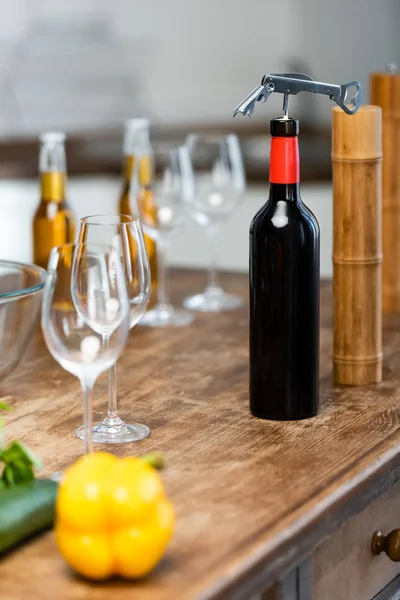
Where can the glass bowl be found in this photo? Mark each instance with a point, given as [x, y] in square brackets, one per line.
[21, 288]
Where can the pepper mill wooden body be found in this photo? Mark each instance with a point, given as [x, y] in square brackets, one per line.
[357, 246]
[385, 92]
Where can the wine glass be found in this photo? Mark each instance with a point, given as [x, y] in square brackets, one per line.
[125, 234]
[85, 292]
[160, 200]
[220, 184]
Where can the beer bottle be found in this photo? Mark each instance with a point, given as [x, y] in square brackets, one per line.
[137, 147]
[53, 223]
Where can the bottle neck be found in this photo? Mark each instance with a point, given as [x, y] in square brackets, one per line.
[144, 165]
[136, 143]
[289, 192]
[52, 186]
[135, 135]
[52, 168]
[284, 164]
[127, 167]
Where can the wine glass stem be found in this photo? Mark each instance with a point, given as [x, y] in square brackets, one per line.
[213, 232]
[162, 275]
[112, 392]
[112, 412]
[87, 392]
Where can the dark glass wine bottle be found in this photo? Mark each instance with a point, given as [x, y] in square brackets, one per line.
[284, 291]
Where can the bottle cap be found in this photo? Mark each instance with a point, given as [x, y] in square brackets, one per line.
[52, 137]
[284, 127]
[139, 123]
[136, 133]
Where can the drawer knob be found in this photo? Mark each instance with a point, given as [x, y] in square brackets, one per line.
[389, 544]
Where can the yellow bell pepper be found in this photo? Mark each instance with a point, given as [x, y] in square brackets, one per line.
[112, 517]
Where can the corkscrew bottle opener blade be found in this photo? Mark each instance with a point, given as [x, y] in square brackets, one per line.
[293, 83]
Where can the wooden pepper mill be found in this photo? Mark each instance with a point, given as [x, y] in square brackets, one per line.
[385, 92]
[357, 251]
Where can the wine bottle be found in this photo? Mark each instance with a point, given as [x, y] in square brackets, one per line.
[53, 223]
[137, 147]
[284, 290]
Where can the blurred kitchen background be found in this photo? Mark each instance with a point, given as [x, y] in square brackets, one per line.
[84, 66]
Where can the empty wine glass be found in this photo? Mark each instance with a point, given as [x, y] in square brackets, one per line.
[85, 292]
[160, 200]
[220, 184]
[125, 234]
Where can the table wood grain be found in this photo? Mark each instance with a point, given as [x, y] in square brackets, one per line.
[252, 497]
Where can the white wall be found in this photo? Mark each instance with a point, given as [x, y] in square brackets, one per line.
[88, 63]
[344, 40]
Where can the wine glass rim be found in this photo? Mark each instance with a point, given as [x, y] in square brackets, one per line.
[29, 290]
[128, 219]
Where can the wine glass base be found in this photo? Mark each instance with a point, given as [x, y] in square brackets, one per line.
[213, 300]
[57, 476]
[116, 434]
[166, 317]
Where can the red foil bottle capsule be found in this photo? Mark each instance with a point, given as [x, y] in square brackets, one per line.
[284, 290]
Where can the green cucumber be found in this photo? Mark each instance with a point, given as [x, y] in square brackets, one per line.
[25, 510]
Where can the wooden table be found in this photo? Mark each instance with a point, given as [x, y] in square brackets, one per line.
[254, 499]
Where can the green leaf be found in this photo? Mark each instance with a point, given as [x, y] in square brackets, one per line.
[8, 476]
[34, 460]
[19, 464]
[22, 472]
[14, 452]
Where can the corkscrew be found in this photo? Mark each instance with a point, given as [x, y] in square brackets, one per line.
[292, 83]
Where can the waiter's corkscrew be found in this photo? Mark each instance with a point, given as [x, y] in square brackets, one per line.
[293, 83]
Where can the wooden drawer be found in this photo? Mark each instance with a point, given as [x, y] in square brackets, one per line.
[343, 567]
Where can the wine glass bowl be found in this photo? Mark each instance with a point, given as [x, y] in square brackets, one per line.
[160, 219]
[219, 188]
[94, 291]
[217, 191]
[21, 287]
[124, 233]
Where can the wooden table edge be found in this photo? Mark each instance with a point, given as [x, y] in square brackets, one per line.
[306, 529]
